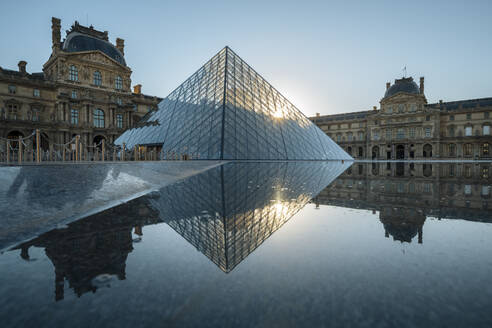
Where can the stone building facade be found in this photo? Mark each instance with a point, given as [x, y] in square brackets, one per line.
[84, 89]
[407, 127]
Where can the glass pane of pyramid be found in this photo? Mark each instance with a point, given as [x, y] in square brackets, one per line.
[226, 110]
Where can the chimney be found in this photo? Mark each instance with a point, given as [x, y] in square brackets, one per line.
[120, 45]
[388, 84]
[317, 114]
[137, 89]
[22, 66]
[374, 108]
[421, 85]
[55, 33]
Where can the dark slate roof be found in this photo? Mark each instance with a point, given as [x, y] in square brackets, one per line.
[13, 73]
[464, 104]
[341, 117]
[76, 42]
[406, 85]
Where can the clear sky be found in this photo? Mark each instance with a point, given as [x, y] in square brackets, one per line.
[324, 56]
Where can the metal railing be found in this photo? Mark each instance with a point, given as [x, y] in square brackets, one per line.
[28, 150]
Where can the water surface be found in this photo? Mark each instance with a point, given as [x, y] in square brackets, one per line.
[270, 245]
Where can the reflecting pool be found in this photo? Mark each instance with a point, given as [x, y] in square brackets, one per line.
[290, 244]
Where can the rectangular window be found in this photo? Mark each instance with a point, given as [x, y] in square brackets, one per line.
[486, 115]
[452, 150]
[119, 121]
[468, 116]
[388, 134]
[349, 137]
[36, 93]
[361, 136]
[412, 132]
[400, 134]
[427, 132]
[467, 149]
[74, 94]
[428, 118]
[486, 130]
[485, 149]
[468, 131]
[74, 116]
[451, 118]
[468, 190]
[12, 89]
[375, 136]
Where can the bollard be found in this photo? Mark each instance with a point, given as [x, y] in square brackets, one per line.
[50, 155]
[20, 150]
[123, 150]
[63, 154]
[38, 146]
[8, 151]
[77, 153]
[80, 151]
[103, 150]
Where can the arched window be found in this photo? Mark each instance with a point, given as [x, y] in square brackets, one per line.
[73, 73]
[97, 78]
[98, 118]
[118, 83]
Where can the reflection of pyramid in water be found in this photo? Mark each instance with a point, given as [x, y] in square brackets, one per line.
[228, 111]
[228, 211]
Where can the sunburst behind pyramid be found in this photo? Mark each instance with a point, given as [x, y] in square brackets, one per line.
[226, 110]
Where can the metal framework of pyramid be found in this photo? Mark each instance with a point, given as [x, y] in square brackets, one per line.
[227, 111]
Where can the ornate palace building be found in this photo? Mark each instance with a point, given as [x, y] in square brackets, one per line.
[84, 89]
[407, 127]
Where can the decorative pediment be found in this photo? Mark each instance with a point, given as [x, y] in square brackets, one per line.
[98, 57]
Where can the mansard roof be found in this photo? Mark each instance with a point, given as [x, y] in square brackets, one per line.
[468, 104]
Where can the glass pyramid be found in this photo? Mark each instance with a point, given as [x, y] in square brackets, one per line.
[226, 110]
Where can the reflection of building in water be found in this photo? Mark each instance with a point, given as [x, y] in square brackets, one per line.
[94, 247]
[227, 212]
[406, 193]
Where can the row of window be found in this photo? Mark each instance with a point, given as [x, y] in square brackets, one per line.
[98, 118]
[469, 116]
[402, 134]
[13, 91]
[401, 108]
[73, 74]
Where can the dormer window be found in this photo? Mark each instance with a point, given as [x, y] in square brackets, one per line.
[12, 89]
[73, 73]
[413, 108]
[97, 78]
[118, 83]
[401, 108]
[36, 93]
[389, 109]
